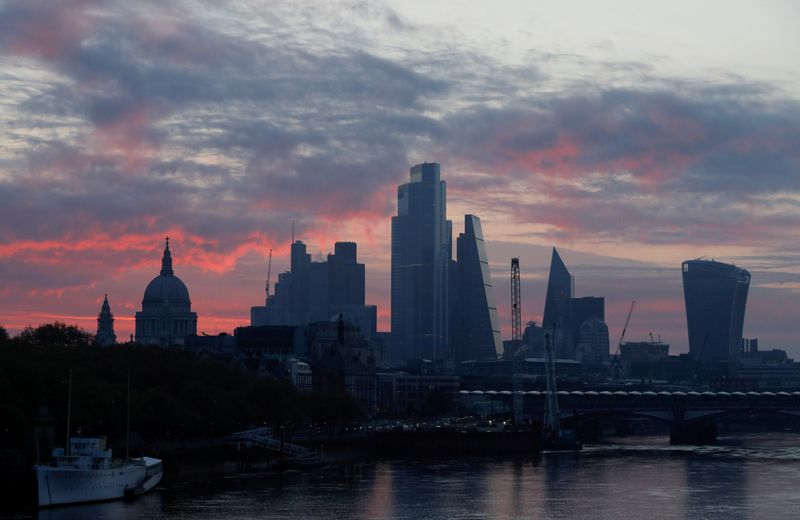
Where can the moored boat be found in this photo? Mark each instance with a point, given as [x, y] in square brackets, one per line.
[87, 473]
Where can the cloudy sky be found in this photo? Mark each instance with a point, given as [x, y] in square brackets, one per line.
[630, 135]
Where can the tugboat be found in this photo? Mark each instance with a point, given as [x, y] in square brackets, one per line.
[86, 472]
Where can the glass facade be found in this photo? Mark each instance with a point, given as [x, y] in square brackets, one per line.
[557, 319]
[421, 255]
[715, 294]
[476, 330]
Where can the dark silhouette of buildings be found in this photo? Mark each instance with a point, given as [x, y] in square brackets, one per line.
[715, 294]
[166, 317]
[421, 255]
[557, 319]
[577, 324]
[475, 325]
[592, 344]
[319, 291]
[105, 325]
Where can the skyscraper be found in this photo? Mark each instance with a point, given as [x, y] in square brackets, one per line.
[557, 307]
[585, 308]
[421, 254]
[476, 327]
[715, 294]
[319, 291]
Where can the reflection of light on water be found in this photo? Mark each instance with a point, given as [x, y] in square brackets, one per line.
[781, 447]
[146, 506]
[641, 477]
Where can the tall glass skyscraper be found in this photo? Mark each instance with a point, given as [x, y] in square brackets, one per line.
[476, 327]
[557, 307]
[421, 255]
[715, 295]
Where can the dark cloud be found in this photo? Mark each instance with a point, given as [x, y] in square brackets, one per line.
[135, 120]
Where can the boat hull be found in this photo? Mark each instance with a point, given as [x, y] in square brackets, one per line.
[65, 485]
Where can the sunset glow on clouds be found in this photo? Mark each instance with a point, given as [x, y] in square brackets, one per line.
[121, 123]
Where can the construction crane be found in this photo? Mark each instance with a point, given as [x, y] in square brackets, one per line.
[516, 306]
[269, 272]
[516, 337]
[625, 328]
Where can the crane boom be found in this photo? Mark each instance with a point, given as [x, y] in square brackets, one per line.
[269, 272]
[516, 304]
[625, 328]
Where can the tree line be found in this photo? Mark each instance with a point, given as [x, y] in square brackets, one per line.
[174, 395]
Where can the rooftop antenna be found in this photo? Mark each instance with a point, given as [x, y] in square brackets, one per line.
[292, 231]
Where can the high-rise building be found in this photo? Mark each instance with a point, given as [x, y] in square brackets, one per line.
[105, 325]
[593, 344]
[476, 327]
[166, 317]
[346, 277]
[583, 309]
[421, 255]
[715, 294]
[319, 291]
[557, 307]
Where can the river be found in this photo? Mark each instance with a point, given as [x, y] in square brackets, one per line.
[638, 478]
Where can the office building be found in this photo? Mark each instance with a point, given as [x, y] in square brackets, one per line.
[715, 294]
[557, 320]
[475, 332]
[314, 291]
[421, 256]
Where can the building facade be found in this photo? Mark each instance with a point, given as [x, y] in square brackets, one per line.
[475, 333]
[314, 291]
[557, 320]
[715, 294]
[593, 345]
[421, 256]
[166, 317]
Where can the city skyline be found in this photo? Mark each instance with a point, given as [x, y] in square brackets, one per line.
[630, 145]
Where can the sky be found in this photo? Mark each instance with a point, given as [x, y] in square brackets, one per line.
[630, 135]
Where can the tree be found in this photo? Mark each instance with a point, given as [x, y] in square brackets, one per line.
[3, 335]
[56, 334]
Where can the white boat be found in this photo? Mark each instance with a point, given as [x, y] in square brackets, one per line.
[87, 473]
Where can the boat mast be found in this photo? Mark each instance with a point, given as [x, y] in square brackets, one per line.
[128, 420]
[69, 410]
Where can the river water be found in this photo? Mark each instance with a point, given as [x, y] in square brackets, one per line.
[636, 478]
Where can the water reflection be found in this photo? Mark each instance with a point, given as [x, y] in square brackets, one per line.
[602, 482]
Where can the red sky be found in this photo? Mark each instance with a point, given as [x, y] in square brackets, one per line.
[120, 124]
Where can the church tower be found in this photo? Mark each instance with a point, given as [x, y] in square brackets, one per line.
[105, 326]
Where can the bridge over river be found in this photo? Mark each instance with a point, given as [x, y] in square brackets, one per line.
[692, 416]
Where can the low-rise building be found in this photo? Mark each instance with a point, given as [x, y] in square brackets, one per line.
[401, 392]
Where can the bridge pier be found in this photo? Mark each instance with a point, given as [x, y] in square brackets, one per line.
[694, 432]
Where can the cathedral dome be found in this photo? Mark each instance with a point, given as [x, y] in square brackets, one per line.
[166, 287]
